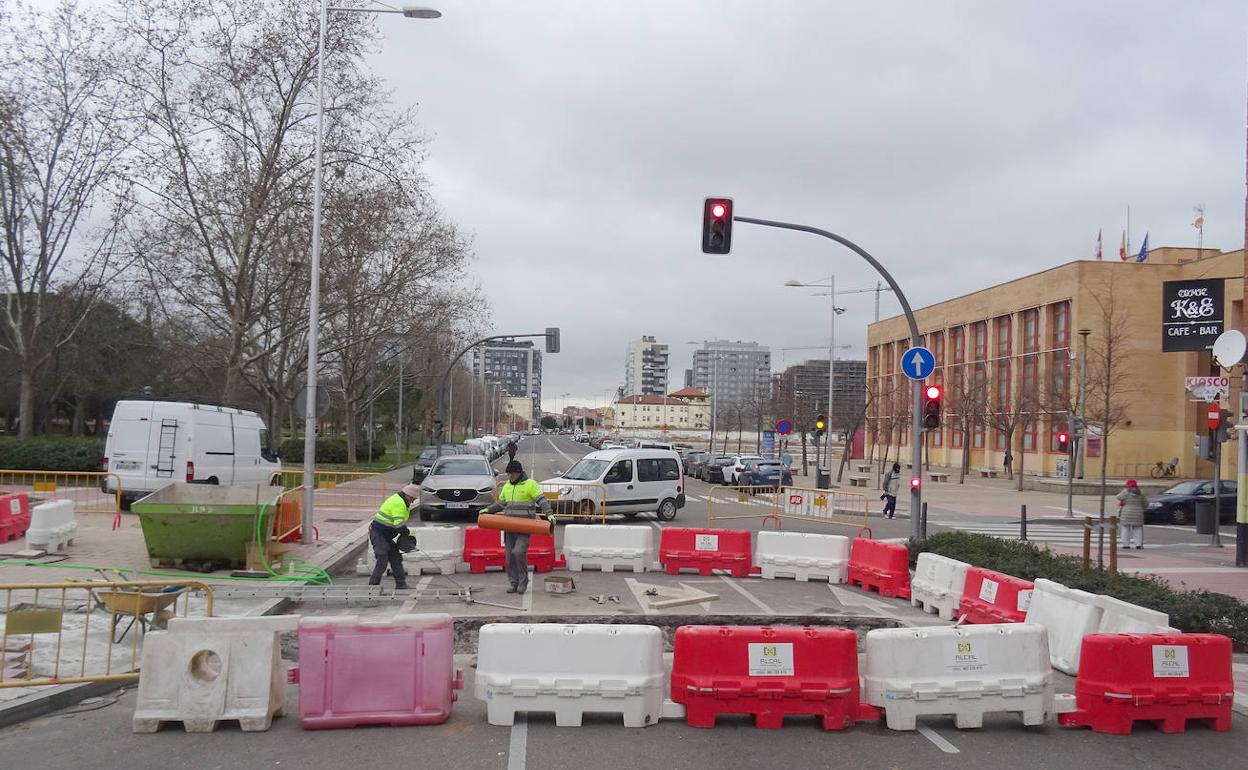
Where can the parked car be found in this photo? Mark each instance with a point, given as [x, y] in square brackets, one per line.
[764, 473]
[459, 483]
[691, 459]
[738, 465]
[636, 481]
[714, 470]
[152, 444]
[427, 457]
[1177, 505]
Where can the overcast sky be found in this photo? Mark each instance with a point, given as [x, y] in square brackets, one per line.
[962, 143]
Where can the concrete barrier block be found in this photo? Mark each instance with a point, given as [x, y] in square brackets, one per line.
[1068, 615]
[608, 547]
[802, 556]
[937, 584]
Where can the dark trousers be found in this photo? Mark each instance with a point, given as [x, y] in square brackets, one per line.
[516, 546]
[890, 505]
[387, 554]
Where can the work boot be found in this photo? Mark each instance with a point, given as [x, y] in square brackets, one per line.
[400, 586]
[512, 590]
[522, 589]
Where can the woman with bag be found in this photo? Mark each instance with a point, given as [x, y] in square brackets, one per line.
[1131, 505]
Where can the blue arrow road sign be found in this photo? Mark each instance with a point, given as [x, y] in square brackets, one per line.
[918, 363]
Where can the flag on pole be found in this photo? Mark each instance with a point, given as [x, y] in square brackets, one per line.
[1122, 247]
[1143, 250]
[1199, 224]
[1098, 245]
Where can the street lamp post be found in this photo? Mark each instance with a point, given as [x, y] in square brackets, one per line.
[314, 283]
[827, 453]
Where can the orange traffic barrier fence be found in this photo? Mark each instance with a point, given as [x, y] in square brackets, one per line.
[90, 491]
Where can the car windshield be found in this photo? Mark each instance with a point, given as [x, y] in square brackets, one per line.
[429, 453]
[462, 466]
[1184, 488]
[587, 470]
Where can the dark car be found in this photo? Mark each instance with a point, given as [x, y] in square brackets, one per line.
[713, 470]
[1177, 505]
[764, 473]
[428, 455]
[697, 467]
[691, 459]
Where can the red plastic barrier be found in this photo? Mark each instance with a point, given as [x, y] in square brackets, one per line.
[14, 516]
[769, 672]
[882, 566]
[995, 597]
[705, 550]
[483, 548]
[1166, 679]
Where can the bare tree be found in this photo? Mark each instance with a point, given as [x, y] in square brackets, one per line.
[1011, 413]
[1109, 381]
[62, 146]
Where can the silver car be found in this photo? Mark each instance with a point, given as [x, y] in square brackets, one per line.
[455, 484]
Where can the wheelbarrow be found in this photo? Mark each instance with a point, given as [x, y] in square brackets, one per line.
[138, 605]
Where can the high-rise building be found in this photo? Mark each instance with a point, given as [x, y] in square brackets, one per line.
[809, 381]
[734, 373]
[645, 368]
[515, 366]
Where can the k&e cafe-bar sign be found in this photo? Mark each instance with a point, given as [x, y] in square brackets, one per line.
[1191, 314]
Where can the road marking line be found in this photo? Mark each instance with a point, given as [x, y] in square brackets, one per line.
[560, 451]
[640, 596]
[410, 605]
[932, 736]
[751, 597]
[518, 747]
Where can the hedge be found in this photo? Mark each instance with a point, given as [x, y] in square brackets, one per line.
[1190, 611]
[330, 450]
[52, 454]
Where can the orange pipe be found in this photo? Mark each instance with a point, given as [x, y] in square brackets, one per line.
[515, 524]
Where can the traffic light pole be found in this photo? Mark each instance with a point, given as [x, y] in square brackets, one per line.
[917, 528]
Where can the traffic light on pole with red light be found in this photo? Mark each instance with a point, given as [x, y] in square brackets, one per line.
[1063, 442]
[717, 225]
[931, 406]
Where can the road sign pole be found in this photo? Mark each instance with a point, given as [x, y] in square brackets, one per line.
[917, 530]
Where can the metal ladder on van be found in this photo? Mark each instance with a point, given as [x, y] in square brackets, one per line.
[165, 451]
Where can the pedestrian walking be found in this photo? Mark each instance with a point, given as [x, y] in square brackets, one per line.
[891, 481]
[388, 524]
[520, 496]
[1008, 462]
[511, 450]
[1131, 505]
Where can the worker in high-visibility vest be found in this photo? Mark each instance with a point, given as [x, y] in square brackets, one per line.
[520, 496]
[389, 523]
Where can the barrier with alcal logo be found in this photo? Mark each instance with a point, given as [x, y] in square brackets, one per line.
[822, 506]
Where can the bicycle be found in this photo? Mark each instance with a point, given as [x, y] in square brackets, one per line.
[1165, 471]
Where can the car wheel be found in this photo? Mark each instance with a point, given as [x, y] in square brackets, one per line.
[667, 510]
[426, 515]
[630, 515]
[1180, 515]
[585, 508]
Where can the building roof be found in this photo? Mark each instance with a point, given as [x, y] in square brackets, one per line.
[690, 393]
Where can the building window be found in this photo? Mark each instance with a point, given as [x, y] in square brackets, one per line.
[959, 344]
[1003, 385]
[937, 437]
[1029, 437]
[1003, 336]
[938, 348]
[1061, 324]
[956, 435]
[979, 437]
[1057, 424]
[981, 340]
[1031, 330]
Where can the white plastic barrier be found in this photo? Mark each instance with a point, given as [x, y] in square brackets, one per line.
[207, 672]
[1068, 615]
[937, 584]
[966, 671]
[52, 525]
[802, 555]
[1119, 617]
[437, 548]
[571, 670]
[608, 547]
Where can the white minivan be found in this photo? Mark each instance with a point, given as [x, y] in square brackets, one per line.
[152, 444]
[636, 481]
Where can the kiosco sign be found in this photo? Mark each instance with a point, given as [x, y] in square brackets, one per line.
[1191, 314]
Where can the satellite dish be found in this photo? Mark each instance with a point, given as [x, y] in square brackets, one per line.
[1229, 348]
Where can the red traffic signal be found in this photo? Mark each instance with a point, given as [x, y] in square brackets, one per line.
[717, 225]
[1063, 442]
[932, 392]
[931, 407]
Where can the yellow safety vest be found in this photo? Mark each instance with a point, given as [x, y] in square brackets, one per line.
[522, 498]
[393, 512]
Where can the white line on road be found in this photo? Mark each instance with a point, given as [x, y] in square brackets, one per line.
[640, 595]
[751, 597]
[519, 745]
[932, 736]
[566, 456]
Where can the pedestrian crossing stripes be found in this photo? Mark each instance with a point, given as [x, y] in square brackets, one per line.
[1055, 534]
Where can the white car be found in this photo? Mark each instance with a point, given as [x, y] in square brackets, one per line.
[633, 480]
[736, 466]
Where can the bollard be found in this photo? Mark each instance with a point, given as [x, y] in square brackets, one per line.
[1113, 546]
[1022, 523]
[1087, 542]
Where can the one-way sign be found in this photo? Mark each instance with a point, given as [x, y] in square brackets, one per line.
[918, 363]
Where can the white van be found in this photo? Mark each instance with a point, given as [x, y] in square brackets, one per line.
[152, 444]
[636, 481]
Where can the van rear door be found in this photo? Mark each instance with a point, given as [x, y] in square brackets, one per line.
[127, 446]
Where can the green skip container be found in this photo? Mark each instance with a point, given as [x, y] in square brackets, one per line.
[186, 525]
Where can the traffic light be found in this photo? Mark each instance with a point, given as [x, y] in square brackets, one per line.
[821, 425]
[1224, 426]
[717, 226]
[552, 339]
[931, 407]
[1063, 442]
